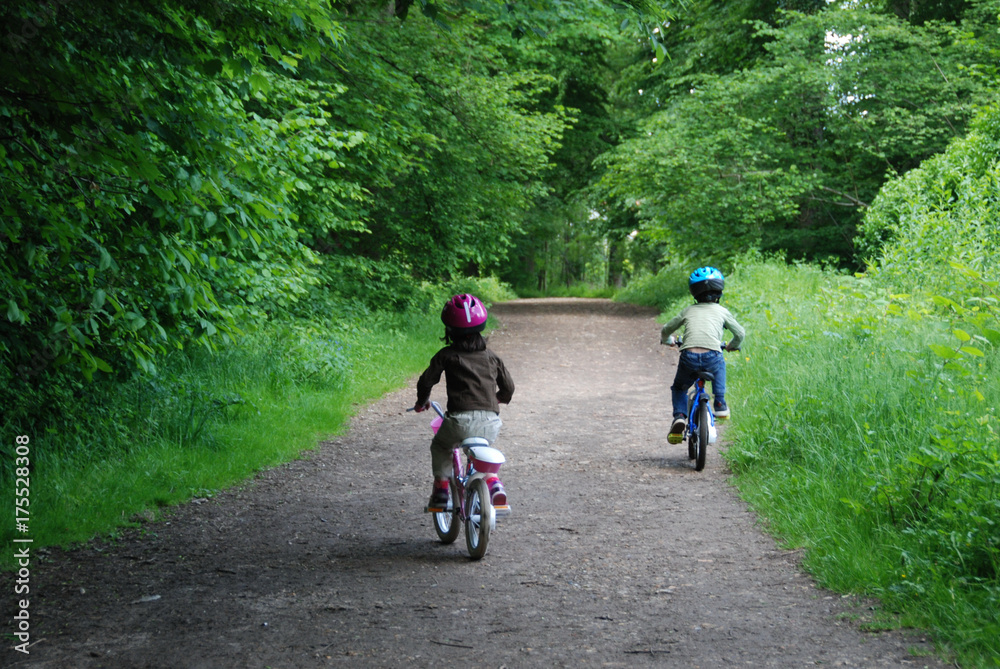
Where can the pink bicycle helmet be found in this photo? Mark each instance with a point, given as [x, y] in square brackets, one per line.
[464, 314]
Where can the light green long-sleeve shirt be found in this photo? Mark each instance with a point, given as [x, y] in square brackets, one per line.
[703, 325]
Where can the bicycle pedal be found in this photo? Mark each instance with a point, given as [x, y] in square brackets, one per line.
[502, 511]
[675, 438]
[437, 509]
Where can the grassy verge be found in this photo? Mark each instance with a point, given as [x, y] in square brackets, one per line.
[865, 430]
[210, 420]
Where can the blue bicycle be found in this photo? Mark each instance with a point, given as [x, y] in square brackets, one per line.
[701, 421]
[700, 430]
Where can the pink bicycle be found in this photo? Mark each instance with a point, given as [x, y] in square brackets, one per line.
[471, 504]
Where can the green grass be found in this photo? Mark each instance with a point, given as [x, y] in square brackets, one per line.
[855, 441]
[208, 421]
[74, 500]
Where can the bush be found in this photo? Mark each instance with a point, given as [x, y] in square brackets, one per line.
[945, 211]
[658, 290]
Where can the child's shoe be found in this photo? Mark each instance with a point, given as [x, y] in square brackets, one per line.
[440, 500]
[676, 435]
[497, 493]
[721, 409]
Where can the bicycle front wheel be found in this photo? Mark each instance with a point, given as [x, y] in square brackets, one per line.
[703, 423]
[446, 522]
[479, 518]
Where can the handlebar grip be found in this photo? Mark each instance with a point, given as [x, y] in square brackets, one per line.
[434, 405]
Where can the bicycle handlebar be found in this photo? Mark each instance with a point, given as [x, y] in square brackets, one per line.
[678, 341]
[434, 405]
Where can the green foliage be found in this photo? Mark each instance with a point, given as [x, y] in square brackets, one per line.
[211, 418]
[921, 11]
[787, 155]
[180, 174]
[488, 289]
[704, 38]
[561, 242]
[454, 154]
[144, 205]
[940, 213]
[660, 290]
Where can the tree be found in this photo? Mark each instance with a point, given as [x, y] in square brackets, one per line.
[174, 173]
[563, 240]
[787, 155]
[139, 186]
[456, 150]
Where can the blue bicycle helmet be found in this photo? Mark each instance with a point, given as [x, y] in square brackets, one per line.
[706, 280]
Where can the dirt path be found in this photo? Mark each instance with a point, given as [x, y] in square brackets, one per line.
[618, 552]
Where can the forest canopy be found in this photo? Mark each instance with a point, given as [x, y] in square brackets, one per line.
[180, 173]
[174, 172]
[788, 155]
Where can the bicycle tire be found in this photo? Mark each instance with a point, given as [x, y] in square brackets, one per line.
[479, 518]
[703, 423]
[446, 523]
[692, 435]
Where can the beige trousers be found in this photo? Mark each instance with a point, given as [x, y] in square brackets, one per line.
[456, 427]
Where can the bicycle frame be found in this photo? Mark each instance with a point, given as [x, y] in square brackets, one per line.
[700, 395]
[459, 479]
[471, 503]
[700, 411]
[700, 429]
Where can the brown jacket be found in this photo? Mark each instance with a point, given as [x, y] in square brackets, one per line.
[476, 380]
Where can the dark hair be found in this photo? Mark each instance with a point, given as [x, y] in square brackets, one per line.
[708, 297]
[469, 342]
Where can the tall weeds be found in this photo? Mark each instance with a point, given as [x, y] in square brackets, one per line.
[865, 430]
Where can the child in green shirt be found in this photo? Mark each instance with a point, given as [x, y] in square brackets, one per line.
[701, 351]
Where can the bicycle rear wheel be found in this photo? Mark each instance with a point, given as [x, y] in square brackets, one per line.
[703, 422]
[692, 434]
[446, 522]
[479, 518]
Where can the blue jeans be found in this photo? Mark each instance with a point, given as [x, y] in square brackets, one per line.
[687, 372]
